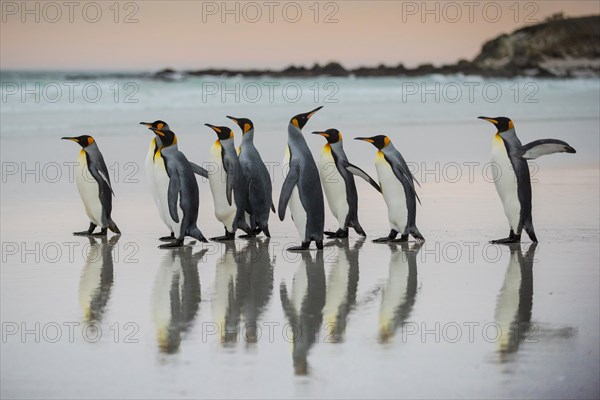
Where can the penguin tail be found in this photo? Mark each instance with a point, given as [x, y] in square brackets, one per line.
[113, 227]
[528, 226]
[197, 234]
[265, 229]
[414, 231]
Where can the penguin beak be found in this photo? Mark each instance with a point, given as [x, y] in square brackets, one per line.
[233, 119]
[366, 139]
[324, 134]
[214, 128]
[148, 124]
[488, 119]
[70, 138]
[310, 114]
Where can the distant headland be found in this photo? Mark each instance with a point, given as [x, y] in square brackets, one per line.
[559, 47]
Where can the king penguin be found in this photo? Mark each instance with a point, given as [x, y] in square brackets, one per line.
[398, 188]
[258, 180]
[338, 183]
[228, 187]
[302, 187]
[177, 189]
[93, 183]
[512, 178]
[149, 166]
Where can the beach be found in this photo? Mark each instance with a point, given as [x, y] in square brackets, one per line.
[453, 318]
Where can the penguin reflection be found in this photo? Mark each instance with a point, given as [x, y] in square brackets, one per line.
[97, 278]
[176, 296]
[304, 309]
[342, 283]
[243, 287]
[513, 308]
[400, 289]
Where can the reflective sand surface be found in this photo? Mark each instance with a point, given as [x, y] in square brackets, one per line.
[452, 318]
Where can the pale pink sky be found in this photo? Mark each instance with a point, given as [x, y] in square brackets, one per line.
[191, 34]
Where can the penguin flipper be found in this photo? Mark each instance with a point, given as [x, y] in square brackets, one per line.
[291, 180]
[230, 176]
[173, 194]
[273, 208]
[403, 174]
[286, 304]
[543, 147]
[105, 190]
[354, 170]
[198, 170]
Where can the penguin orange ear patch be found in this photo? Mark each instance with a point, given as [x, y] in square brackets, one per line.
[90, 140]
[295, 123]
[160, 125]
[386, 141]
[511, 125]
[246, 127]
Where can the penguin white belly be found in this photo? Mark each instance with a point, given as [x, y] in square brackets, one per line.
[149, 165]
[506, 182]
[161, 179]
[393, 194]
[334, 186]
[90, 280]
[394, 293]
[162, 312]
[89, 191]
[224, 212]
[337, 291]
[224, 289]
[295, 205]
[507, 306]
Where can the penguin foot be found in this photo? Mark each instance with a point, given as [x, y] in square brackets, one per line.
[386, 239]
[226, 236]
[304, 246]
[508, 240]
[319, 244]
[101, 233]
[176, 243]
[88, 232]
[167, 238]
[403, 238]
[340, 233]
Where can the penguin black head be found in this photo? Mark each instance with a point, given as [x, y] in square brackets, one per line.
[332, 135]
[379, 141]
[167, 136]
[502, 123]
[83, 140]
[244, 123]
[158, 124]
[223, 132]
[301, 119]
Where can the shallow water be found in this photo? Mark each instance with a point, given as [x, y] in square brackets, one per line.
[453, 318]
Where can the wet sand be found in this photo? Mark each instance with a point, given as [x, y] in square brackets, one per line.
[453, 318]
